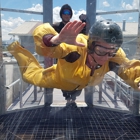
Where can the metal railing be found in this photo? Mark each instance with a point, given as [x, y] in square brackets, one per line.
[19, 82]
[118, 83]
[121, 90]
[20, 86]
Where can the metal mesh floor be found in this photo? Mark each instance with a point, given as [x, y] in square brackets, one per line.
[57, 123]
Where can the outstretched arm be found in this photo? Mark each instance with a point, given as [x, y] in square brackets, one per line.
[69, 33]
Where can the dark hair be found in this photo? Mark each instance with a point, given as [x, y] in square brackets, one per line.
[66, 6]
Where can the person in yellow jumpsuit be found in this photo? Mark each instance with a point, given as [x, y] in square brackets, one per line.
[66, 14]
[82, 60]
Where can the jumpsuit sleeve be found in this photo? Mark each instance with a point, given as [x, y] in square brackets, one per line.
[59, 51]
[38, 34]
[129, 70]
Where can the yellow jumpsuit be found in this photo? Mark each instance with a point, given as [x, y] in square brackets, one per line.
[65, 74]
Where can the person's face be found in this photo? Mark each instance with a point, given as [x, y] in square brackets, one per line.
[66, 15]
[103, 51]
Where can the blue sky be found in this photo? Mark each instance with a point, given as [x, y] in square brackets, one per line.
[11, 20]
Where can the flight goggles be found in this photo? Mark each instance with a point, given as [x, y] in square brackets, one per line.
[66, 12]
[102, 51]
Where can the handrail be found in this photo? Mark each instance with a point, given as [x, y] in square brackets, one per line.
[128, 95]
[12, 84]
[20, 83]
[125, 91]
[124, 84]
[20, 89]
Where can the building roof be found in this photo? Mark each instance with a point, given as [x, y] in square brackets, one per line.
[25, 29]
[131, 28]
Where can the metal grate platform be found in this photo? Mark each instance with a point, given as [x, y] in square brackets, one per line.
[60, 123]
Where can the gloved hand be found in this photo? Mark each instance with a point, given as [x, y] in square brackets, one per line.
[83, 17]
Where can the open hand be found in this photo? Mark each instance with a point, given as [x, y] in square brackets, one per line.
[69, 33]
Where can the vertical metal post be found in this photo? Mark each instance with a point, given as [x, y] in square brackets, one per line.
[89, 90]
[115, 88]
[138, 37]
[35, 93]
[100, 93]
[47, 11]
[131, 97]
[91, 17]
[47, 17]
[91, 13]
[20, 92]
[127, 99]
[136, 103]
[2, 78]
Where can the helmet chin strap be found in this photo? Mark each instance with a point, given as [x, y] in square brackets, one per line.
[97, 65]
[91, 52]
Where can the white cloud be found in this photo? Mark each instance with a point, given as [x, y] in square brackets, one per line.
[76, 14]
[56, 16]
[130, 18]
[2, 15]
[106, 4]
[12, 23]
[99, 18]
[9, 25]
[37, 8]
[129, 6]
[135, 4]
[123, 4]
